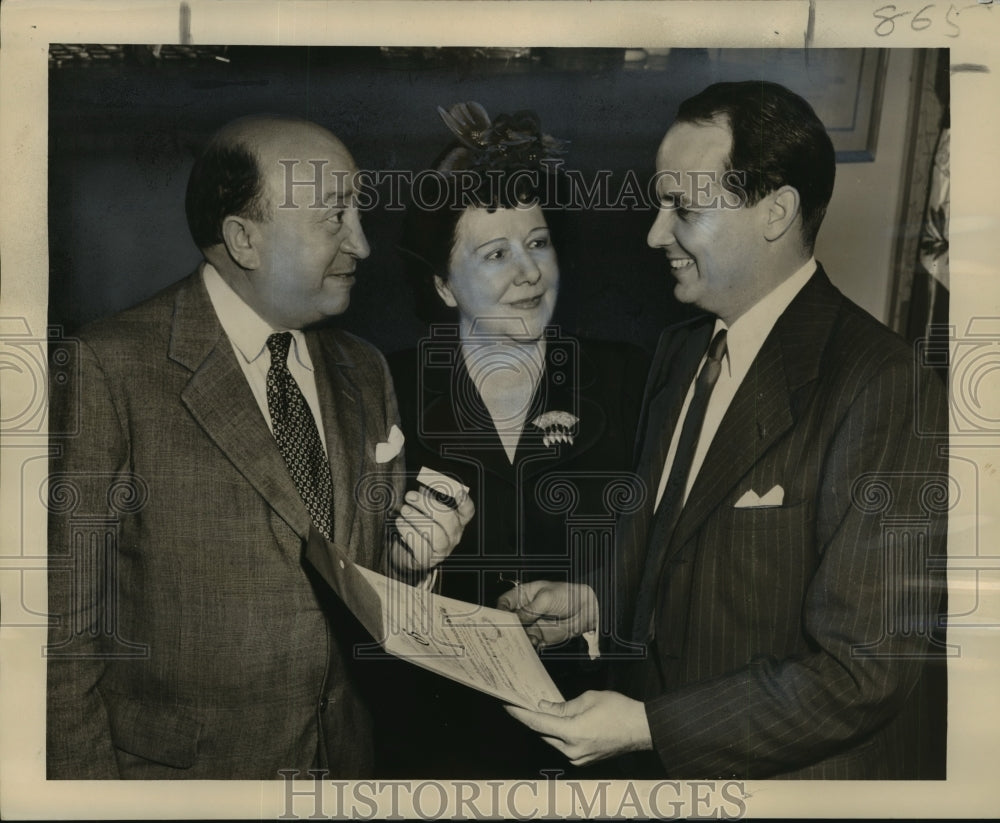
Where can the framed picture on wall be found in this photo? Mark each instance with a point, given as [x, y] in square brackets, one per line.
[844, 86]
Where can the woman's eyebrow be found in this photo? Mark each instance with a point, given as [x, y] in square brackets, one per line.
[494, 240]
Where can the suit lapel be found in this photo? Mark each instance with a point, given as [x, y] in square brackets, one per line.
[758, 415]
[219, 399]
[674, 365]
[343, 425]
[457, 414]
[766, 404]
[459, 419]
[572, 396]
[677, 362]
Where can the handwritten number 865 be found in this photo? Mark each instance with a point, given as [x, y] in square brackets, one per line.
[887, 21]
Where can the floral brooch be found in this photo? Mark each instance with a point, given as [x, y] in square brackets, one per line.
[557, 427]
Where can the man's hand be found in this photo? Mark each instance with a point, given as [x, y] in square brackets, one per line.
[551, 612]
[591, 727]
[429, 529]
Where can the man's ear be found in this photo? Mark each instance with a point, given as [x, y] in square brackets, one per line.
[783, 209]
[239, 234]
[444, 292]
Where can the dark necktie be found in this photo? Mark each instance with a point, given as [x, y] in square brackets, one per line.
[297, 436]
[669, 511]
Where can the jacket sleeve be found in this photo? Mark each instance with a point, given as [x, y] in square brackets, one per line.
[87, 471]
[867, 614]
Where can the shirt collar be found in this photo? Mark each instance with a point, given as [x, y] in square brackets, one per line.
[746, 336]
[246, 330]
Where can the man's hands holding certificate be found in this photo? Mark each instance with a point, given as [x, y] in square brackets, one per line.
[551, 612]
[591, 727]
[595, 725]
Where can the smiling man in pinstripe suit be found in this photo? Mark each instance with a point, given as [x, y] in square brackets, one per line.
[774, 594]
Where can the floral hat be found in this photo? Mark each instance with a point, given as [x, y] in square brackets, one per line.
[511, 142]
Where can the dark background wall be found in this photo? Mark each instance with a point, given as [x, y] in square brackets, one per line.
[124, 130]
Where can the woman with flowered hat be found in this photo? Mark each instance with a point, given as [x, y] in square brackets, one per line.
[538, 424]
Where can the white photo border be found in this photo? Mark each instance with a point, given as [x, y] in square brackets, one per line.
[970, 29]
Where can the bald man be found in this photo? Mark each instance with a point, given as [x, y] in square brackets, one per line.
[218, 431]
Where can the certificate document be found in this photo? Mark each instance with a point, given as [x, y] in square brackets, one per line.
[481, 647]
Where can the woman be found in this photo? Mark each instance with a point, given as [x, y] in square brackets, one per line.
[540, 426]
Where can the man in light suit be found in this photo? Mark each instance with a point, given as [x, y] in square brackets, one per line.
[217, 431]
[780, 622]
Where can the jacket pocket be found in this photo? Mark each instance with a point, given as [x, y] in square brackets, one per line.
[769, 518]
[154, 732]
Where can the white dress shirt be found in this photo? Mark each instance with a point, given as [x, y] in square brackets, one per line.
[743, 342]
[248, 332]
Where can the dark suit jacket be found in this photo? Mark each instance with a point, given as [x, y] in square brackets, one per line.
[524, 509]
[788, 640]
[550, 515]
[191, 640]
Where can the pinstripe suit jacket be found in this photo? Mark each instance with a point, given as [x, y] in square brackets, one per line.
[788, 639]
[191, 640]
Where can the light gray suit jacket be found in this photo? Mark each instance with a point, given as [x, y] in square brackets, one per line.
[189, 636]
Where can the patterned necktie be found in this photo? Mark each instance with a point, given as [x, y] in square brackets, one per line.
[672, 502]
[297, 436]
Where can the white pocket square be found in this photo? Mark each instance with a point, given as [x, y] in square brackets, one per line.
[750, 499]
[384, 452]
